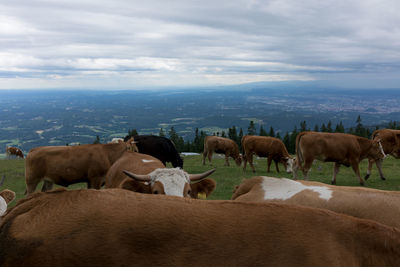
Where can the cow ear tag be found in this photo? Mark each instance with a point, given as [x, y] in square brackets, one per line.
[202, 195]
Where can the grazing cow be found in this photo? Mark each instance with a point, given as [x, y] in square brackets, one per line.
[265, 146]
[340, 148]
[65, 165]
[378, 205]
[115, 227]
[158, 147]
[173, 182]
[221, 145]
[390, 141]
[14, 151]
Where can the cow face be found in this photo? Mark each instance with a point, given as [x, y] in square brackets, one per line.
[173, 182]
[289, 164]
[238, 160]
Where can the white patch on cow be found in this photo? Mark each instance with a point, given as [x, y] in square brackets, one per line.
[147, 160]
[289, 166]
[283, 188]
[173, 180]
[3, 206]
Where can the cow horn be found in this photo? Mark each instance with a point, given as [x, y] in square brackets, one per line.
[139, 177]
[196, 177]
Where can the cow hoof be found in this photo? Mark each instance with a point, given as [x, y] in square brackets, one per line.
[333, 182]
[383, 178]
[366, 177]
[362, 183]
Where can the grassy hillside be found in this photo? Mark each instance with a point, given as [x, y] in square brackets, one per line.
[228, 177]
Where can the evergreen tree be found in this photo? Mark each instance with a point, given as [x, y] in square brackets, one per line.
[271, 132]
[262, 131]
[286, 140]
[316, 128]
[292, 146]
[240, 138]
[303, 126]
[339, 128]
[223, 134]
[278, 135]
[132, 132]
[251, 130]
[97, 140]
[232, 134]
[323, 128]
[161, 133]
[329, 127]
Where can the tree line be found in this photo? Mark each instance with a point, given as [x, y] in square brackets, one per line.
[289, 138]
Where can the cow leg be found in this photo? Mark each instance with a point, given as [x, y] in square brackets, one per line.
[251, 163]
[95, 182]
[335, 172]
[306, 168]
[356, 170]
[276, 165]
[209, 156]
[31, 186]
[226, 160]
[269, 164]
[370, 163]
[204, 157]
[47, 186]
[379, 167]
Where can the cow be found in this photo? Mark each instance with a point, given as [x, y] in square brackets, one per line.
[65, 165]
[14, 151]
[265, 146]
[390, 142]
[340, 148]
[114, 227]
[143, 164]
[367, 203]
[221, 145]
[158, 147]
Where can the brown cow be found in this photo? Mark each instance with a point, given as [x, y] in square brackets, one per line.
[145, 166]
[265, 146]
[14, 151]
[340, 148]
[115, 227]
[65, 165]
[221, 145]
[366, 203]
[390, 141]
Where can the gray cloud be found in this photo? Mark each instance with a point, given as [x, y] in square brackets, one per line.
[129, 44]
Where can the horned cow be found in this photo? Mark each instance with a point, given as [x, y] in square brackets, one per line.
[378, 205]
[123, 228]
[221, 145]
[65, 165]
[340, 148]
[265, 146]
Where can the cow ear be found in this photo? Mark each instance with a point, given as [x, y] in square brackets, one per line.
[135, 186]
[8, 195]
[205, 186]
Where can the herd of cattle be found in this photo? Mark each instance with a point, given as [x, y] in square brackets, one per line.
[268, 221]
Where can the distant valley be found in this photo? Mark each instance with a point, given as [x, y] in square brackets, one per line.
[36, 118]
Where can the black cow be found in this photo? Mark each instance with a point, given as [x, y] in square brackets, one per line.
[159, 147]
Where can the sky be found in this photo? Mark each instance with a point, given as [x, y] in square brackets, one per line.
[117, 44]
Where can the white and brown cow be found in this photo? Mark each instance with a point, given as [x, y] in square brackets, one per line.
[340, 148]
[65, 165]
[390, 141]
[164, 181]
[265, 146]
[6, 196]
[14, 151]
[114, 227]
[221, 145]
[378, 205]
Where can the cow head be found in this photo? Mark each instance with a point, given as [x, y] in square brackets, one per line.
[6, 196]
[131, 145]
[238, 160]
[174, 182]
[289, 164]
[376, 151]
[177, 161]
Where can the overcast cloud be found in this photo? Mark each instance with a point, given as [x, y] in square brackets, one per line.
[138, 44]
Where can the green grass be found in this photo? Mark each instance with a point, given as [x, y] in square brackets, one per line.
[228, 177]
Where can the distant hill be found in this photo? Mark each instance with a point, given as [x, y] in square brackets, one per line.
[36, 118]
